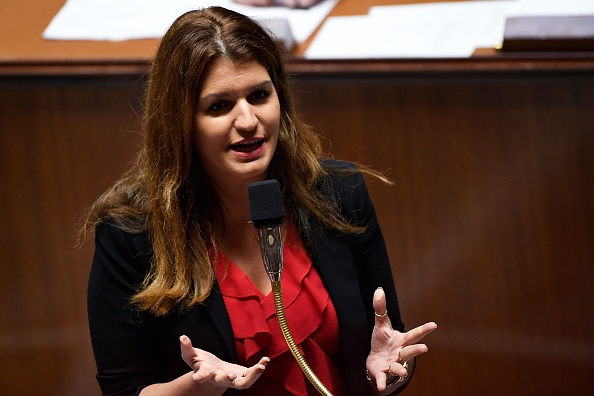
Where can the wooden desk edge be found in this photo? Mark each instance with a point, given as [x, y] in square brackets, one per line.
[580, 62]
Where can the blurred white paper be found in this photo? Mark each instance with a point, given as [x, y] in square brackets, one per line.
[429, 30]
[480, 23]
[435, 30]
[117, 20]
[552, 8]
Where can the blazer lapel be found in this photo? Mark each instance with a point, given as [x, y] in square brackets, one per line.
[218, 313]
[334, 261]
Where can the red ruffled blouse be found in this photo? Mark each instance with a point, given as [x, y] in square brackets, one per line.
[310, 315]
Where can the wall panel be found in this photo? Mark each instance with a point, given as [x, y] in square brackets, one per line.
[489, 227]
[490, 224]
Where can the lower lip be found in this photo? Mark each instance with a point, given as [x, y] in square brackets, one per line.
[247, 155]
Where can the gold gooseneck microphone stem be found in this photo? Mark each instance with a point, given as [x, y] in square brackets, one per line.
[267, 214]
[282, 321]
[272, 253]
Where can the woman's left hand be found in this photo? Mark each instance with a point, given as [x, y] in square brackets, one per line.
[390, 349]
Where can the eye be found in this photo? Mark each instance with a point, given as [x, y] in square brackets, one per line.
[217, 107]
[259, 95]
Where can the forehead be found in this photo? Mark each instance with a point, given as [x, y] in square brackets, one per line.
[224, 75]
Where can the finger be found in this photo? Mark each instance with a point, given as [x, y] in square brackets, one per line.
[264, 362]
[187, 351]
[209, 372]
[380, 381]
[415, 335]
[379, 306]
[399, 369]
[411, 351]
[250, 376]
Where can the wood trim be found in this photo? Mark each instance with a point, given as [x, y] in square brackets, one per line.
[520, 62]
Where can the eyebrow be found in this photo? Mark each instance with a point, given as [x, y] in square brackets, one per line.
[221, 95]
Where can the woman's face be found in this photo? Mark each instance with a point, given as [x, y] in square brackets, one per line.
[237, 121]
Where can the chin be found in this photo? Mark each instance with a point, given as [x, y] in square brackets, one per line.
[251, 174]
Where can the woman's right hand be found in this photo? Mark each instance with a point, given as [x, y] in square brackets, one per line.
[209, 368]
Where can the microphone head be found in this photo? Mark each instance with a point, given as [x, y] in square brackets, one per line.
[266, 204]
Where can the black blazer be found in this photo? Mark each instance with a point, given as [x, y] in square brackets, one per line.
[134, 349]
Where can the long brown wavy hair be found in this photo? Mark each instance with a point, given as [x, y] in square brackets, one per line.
[166, 193]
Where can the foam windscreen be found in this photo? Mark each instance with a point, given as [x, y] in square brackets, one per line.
[266, 203]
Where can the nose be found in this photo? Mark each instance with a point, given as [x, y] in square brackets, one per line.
[245, 118]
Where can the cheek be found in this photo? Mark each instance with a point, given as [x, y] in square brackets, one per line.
[272, 119]
[210, 132]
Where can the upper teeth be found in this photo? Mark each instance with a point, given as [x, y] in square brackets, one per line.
[249, 142]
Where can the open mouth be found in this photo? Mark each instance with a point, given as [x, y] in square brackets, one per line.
[247, 146]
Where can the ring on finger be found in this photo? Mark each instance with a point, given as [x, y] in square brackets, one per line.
[381, 315]
[394, 379]
[390, 369]
[400, 359]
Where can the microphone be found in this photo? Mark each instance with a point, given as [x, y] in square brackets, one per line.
[267, 214]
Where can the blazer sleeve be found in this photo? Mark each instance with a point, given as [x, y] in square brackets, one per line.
[373, 264]
[126, 355]
[353, 267]
[371, 256]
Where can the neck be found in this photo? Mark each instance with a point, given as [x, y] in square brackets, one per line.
[234, 198]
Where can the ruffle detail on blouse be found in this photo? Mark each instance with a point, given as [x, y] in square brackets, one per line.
[309, 312]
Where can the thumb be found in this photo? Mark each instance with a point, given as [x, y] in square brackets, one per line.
[379, 306]
[187, 351]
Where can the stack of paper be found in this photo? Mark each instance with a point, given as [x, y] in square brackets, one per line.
[117, 20]
[434, 30]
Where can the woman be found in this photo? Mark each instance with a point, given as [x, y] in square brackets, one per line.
[177, 264]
